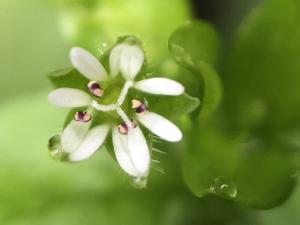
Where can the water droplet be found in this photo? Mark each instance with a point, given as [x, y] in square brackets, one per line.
[140, 182]
[54, 148]
[223, 187]
[102, 49]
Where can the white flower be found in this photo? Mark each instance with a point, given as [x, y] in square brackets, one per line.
[80, 139]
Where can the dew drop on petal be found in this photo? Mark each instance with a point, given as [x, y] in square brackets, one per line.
[223, 187]
[55, 149]
[140, 182]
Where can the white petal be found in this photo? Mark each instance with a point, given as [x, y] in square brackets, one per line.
[160, 86]
[123, 157]
[132, 152]
[91, 143]
[139, 150]
[114, 59]
[131, 61]
[88, 65]
[73, 135]
[69, 97]
[160, 126]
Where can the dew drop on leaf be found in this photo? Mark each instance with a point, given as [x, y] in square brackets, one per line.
[223, 187]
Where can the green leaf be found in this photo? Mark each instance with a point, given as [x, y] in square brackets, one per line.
[263, 66]
[68, 77]
[262, 99]
[212, 94]
[195, 48]
[210, 156]
[172, 106]
[250, 171]
[194, 42]
[203, 82]
[264, 177]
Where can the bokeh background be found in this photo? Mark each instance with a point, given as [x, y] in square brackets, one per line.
[250, 141]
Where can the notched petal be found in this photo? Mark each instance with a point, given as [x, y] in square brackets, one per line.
[120, 143]
[93, 140]
[139, 150]
[132, 152]
[131, 61]
[114, 59]
[73, 135]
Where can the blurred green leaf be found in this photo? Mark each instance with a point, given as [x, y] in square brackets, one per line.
[249, 172]
[262, 102]
[263, 67]
[264, 178]
[210, 155]
[212, 94]
[194, 42]
[287, 213]
[195, 47]
[203, 82]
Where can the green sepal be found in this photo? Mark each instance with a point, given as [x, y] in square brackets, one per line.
[172, 107]
[69, 78]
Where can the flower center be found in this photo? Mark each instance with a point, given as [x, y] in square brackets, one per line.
[97, 91]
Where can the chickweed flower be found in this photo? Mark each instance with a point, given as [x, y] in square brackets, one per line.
[103, 97]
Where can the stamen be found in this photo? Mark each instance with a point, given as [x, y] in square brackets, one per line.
[136, 103]
[83, 116]
[133, 123]
[95, 89]
[140, 108]
[123, 127]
